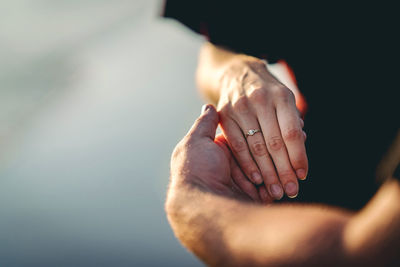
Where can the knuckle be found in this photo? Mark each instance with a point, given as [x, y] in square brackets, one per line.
[248, 167]
[238, 146]
[291, 95]
[284, 93]
[275, 143]
[241, 105]
[293, 134]
[223, 108]
[259, 96]
[280, 91]
[286, 174]
[270, 177]
[259, 148]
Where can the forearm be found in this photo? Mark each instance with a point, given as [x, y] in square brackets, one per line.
[213, 64]
[373, 235]
[227, 232]
[199, 220]
[224, 231]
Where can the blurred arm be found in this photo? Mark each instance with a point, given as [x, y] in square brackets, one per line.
[223, 231]
[213, 64]
[372, 236]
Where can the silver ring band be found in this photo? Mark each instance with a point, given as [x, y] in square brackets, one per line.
[252, 132]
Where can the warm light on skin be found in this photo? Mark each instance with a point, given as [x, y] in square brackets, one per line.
[375, 230]
[248, 95]
[212, 221]
[284, 73]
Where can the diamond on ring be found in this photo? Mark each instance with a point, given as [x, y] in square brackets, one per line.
[252, 132]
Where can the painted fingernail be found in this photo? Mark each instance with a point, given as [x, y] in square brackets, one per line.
[291, 189]
[204, 108]
[276, 191]
[257, 179]
[301, 174]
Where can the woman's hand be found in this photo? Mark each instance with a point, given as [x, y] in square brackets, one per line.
[251, 98]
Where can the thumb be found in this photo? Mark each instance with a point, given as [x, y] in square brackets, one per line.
[206, 124]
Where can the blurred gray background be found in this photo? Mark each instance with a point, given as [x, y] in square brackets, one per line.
[94, 95]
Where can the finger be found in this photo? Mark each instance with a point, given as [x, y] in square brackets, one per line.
[265, 197]
[239, 179]
[236, 189]
[206, 124]
[223, 144]
[260, 154]
[277, 149]
[240, 150]
[243, 183]
[293, 137]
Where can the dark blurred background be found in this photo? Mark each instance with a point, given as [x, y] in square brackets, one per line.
[94, 95]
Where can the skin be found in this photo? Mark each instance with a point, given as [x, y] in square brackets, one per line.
[247, 97]
[224, 227]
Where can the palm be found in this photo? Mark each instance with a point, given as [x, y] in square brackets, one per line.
[215, 168]
[204, 160]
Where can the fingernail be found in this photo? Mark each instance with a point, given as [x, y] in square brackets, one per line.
[276, 191]
[257, 179]
[291, 189]
[204, 108]
[301, 174]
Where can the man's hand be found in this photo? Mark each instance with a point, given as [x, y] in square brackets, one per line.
[251, 98]
[207, 163]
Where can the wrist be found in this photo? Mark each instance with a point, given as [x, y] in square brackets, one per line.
[241, 64]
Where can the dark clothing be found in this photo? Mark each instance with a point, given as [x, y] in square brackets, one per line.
[346, 64]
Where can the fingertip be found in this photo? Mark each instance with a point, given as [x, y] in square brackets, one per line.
[257, 178]
[301, 174]
[243, 183]
[291, 189]
[276, 191]
[206, 108]
[263, 194]
[265, 197]
[206, 124]
[203, 109]
[209, 112]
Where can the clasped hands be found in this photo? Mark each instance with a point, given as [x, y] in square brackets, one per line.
[263, 166]
[204, 160]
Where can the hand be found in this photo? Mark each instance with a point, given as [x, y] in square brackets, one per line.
[202, 161]
[252, 98]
